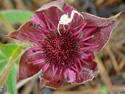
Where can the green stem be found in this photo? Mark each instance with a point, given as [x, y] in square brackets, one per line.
[7, 24]
[5, 73]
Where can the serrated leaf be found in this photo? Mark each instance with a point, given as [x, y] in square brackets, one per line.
[17, 15]
[11, 81]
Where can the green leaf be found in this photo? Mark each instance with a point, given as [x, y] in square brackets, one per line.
[2, 65]
[17, 15]
[104, 90]
[11, 61]
[11, 81]
[6, 51]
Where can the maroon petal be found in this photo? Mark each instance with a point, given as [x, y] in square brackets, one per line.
[94, 21]
[20, 33]
[52, 10]
[26, 69]
[70, 74]
[89, 56]
[52, 84]
[38, 18]
[59, 4]
[27, 32]
[87, 73]
[101, 28]
[101, 36]
[47, 81]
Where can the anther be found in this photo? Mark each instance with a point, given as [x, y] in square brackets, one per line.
[33, 51]
[68, 78]
[89, 65]
[58, 81]
[36, 25]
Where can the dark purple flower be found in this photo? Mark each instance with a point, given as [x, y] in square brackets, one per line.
[63, 42]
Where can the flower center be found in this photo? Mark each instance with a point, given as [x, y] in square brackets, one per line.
[60, 50]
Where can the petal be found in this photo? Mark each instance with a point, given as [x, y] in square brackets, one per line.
[101, 36]
[20, 33]
[59, 4]
[46, 80]
[27, 69]
[53, 84]
[51, 9]
[71, 75]
[88, 56]
[94, 21]
[87, 73]
[26, 32]
[38, 18]
[101, 28]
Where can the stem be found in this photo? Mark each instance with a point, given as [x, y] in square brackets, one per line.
[5, 73]
[7, 24]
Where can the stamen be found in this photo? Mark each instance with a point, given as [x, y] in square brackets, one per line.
[74, 68]
[57, 14]
[84, 39]
[45, 67]
[47, 23]
[78, 26]
[50, 20]
[84, 62]
[38, 32]
[86, 48]
[38, 52]
[90, 30]
[35, 48]
[80, 30]
[44, 30]
[69, 26]
[80, 64]
[88, 44]
[38, 61]
[77, 71]
[60, 73]
[54, 72]
[33, 38]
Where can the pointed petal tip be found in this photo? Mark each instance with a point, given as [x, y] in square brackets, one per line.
[115, 18]
[59, 4]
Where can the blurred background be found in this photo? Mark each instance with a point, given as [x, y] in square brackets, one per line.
[111, 79]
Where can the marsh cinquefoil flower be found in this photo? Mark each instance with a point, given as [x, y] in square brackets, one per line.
[63, 42]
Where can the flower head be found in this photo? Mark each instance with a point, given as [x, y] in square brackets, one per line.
[63, 43]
